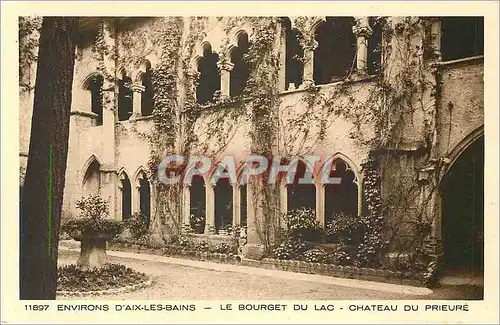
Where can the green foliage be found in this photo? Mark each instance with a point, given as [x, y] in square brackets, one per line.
[291, 248]
[29, 28]
[344, 228]
[73, 278]
[317, 255]
[373, 245]
[93, 219]
[302, 223]
[137, 225]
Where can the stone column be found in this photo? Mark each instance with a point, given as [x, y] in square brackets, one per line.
[209, 209]
[282, 70]
[186, 226]
[225, 68]
[309, 49]
[362, 31]
[108, 168]
[137, 104]
[236, 205]
[320, 204]
[430, 201]
[283, 197]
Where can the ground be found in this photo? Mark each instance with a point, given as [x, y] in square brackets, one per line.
[176, 279]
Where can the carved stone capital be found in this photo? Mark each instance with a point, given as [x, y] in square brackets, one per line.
[310, 44]
[137, 88]
[225, 65]
[362, 31]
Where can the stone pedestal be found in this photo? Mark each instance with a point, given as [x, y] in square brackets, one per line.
[92, 252]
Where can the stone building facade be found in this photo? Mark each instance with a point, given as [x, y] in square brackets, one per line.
[407, 89]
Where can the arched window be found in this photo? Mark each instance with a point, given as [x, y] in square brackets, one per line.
[461, 37]
[375, 45]
[223, 204]
[197, 198]
[209, 81]
[126, 196]
[343, 197]
[92, 179]
[125, 98]
[336, 51]
[301, 195]
[294, 69]
[147, 97]
[241, 71]
[94, 85]
[144, 199]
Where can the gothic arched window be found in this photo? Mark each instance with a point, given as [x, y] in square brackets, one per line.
[334, 57]
[209, 81]
[240, 72]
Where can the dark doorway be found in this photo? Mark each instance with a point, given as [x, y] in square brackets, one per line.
[197, 204]
[126, 198]
[341, 198]
[223, 204]
[463, 211]
[301, 195]
[145, 200]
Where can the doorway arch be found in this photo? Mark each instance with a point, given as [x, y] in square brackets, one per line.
[462, 210]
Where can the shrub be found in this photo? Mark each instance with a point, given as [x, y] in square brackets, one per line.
[301, 223]
[290, 248]
[342, 256]
[137, 224]
[344, 228]
[317, 255]
[72, 278]
[92, 219]
[224, 248]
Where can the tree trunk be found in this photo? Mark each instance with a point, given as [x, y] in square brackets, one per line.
[45, 174]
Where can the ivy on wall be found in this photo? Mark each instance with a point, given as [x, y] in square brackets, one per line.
[29, 32]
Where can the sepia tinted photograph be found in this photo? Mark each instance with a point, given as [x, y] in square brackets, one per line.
[251, 158]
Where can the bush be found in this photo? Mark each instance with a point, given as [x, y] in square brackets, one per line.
[224, 248]
[137, 225]
[317, 255]
[301, 223]
[72, 278]
[344, 228]
[290, 248]
[93, 219]
[342, 256]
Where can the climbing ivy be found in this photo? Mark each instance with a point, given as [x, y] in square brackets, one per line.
[29, 32]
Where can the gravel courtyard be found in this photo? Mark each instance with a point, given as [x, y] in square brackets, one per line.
[180, 282]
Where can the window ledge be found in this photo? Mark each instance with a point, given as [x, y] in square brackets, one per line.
[213, 236]
[84, 114]
[353, 79]
[467, 60]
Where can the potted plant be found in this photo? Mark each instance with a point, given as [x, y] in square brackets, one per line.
[93, 228]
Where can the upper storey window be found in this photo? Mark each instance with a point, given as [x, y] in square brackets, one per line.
[334, 57]
[125, 99]
[95, 87]
[294, 69]
[241, 71]
[147, 99]
[209, 81]
[461, 37]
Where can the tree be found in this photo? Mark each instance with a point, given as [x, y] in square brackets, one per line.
[43, 188]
